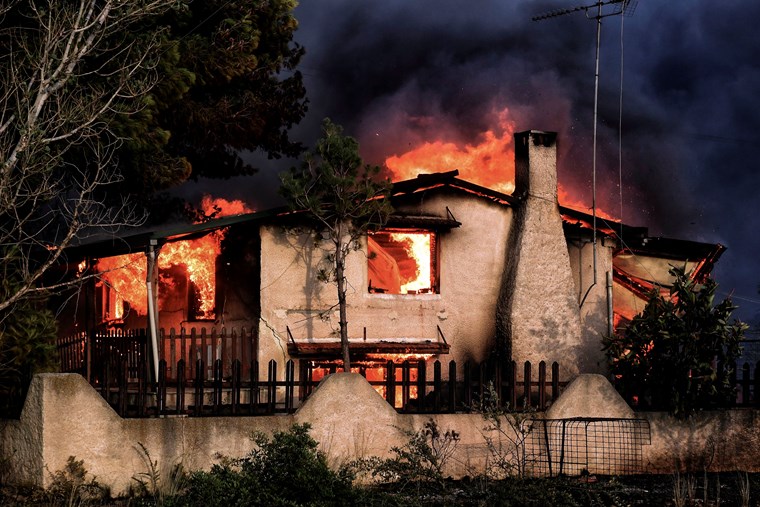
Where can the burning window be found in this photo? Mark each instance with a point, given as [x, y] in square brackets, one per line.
[402, 261]
[186, 274]
[120, 287]
[110, 305]
[187, 280]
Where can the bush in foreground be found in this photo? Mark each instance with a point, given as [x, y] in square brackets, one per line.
[287, 469]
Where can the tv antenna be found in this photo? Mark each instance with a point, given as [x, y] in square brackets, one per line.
[604, 9]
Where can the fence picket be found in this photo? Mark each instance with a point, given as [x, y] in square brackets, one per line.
[452, 386]
[390, 383]
[746, 383]
[200, 377]
[542, 385]
[217, 385]
[272, 385]
[180, 398]
[235, 387]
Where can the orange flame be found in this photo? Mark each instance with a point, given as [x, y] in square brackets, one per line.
[490, 163]
[418, 247]
[126, 274]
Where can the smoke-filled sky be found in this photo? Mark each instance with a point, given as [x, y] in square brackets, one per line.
[399, 73]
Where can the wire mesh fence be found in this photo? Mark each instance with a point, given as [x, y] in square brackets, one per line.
[578, 446]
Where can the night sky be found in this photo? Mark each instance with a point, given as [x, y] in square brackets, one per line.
[397, 73]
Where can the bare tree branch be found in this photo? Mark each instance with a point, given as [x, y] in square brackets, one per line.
[66, 76]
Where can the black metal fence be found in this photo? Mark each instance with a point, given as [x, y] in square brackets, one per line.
[107, 358]
[252, 391]
[746, 378]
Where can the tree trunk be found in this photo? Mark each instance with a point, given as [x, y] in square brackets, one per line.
[340, 266]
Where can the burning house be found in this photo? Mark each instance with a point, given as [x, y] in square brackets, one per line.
[461, 272]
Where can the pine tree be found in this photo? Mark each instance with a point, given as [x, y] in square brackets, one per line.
[342, 199]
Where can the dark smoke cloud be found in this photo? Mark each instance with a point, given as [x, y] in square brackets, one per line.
[396, 73]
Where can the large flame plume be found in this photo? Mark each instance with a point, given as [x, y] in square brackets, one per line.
[125, 275]
[490, 163]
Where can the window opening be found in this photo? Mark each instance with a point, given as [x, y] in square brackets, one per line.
[402, 261]
[109, 304]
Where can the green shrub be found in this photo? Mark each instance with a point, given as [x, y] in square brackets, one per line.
[69, 486]
[421, 460]
[27, 338]
[678, 354]
[506, 435]
[286, 470]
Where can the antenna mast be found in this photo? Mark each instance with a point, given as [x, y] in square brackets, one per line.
[618, 7]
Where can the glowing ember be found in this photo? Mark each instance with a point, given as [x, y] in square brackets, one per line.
[125, 275]
[400, 358]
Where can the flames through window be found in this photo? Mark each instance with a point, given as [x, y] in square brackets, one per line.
[187, 280]
[402, 261]
[186, 274]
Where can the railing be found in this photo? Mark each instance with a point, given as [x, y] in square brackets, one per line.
[256, 393]
[86, 353]
[747, 382]
[200, 367]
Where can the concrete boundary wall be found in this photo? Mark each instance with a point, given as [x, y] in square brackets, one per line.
[64, 416]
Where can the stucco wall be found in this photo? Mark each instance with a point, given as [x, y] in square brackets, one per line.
[594, 297]
[64, 416]
[470, 268]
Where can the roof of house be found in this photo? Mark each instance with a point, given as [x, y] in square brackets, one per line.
[635, 239]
